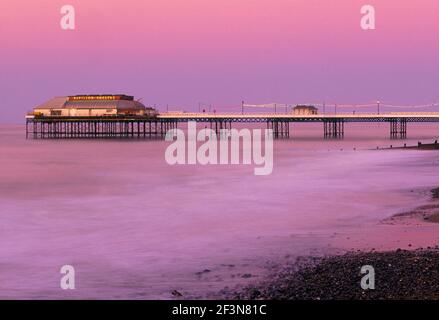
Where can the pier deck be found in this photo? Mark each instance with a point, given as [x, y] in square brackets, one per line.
[148, 127]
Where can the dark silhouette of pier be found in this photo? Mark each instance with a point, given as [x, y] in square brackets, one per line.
[157, 126]
[97, 127]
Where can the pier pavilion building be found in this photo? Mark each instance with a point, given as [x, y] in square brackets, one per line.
[92, 106]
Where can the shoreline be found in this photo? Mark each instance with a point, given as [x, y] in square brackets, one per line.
[401, 274]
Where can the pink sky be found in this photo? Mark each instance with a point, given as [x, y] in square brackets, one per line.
[182, 52]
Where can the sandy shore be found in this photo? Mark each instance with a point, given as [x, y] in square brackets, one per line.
[399, 274]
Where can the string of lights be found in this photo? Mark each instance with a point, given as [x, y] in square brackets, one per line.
[345, 105]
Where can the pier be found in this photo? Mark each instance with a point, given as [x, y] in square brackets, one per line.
[156, 126]
[333, 124]
[97, 127]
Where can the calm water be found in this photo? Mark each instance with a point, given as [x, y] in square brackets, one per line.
[135, 227]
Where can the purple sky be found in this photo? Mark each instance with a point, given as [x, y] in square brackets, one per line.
[219, 52]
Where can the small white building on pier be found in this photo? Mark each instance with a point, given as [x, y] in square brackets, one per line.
[305, 110]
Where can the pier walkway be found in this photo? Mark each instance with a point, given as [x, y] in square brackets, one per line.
[146, 126]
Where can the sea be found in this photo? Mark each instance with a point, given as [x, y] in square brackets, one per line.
[134, 227]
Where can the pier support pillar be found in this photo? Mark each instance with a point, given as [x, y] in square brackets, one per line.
[333, 128]
[281, 128]
[398, 128]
